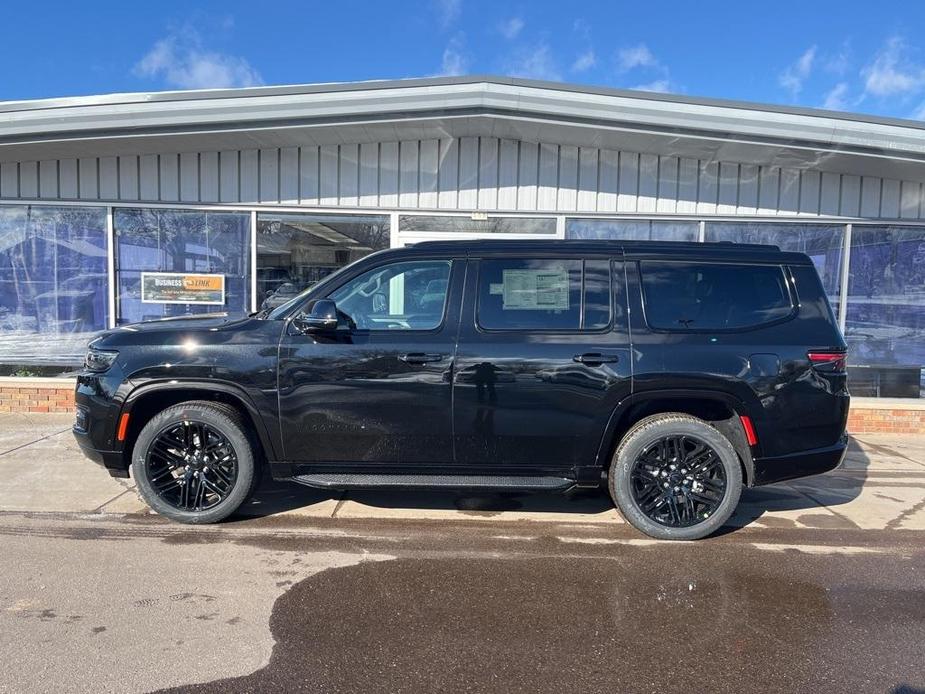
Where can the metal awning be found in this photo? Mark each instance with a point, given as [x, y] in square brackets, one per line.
[533, 111]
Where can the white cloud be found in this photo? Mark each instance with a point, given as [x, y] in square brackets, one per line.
[919, 113]
[839, 63]
[660, 86]
[796, 74]
[892, 72]
[510, 28]
[635, 56]
[585, 61]
[534, 62]
[448, 11]
[454, 58]
[181, 61]
[835, 97]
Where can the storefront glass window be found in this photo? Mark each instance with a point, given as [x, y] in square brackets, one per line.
[52, 284]
[885, 325]
[632, 229]
[294, 250]
[823, 243]
[181, 242]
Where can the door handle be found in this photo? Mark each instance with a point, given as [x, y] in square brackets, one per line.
[420, 358]
[595, 358]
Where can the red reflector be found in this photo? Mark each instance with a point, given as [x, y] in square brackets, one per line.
[749, 430]
[837, 360]
[123, 427]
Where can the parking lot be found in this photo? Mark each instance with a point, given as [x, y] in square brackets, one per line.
[818, 583]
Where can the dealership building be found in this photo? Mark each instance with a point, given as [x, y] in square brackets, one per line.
[264, 191]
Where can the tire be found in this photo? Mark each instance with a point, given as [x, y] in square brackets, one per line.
[157, 471]
[686, 505]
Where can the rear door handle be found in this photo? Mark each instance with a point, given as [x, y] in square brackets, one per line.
[595, 358]
[420, 358]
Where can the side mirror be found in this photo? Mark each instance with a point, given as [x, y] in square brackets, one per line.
[323, 318]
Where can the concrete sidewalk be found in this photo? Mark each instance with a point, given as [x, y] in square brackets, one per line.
[880, 486]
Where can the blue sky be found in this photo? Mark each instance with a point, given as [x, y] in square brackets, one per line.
[855, 56]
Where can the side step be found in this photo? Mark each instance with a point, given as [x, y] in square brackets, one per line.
[380, 481]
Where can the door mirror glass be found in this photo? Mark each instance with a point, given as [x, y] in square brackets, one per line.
[321, 318]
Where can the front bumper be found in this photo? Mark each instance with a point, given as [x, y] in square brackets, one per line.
[802, 464]
[113, 461]
[98, 407]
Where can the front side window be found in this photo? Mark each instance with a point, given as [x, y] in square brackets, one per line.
[401, 296]
[713, 296]
[544, 294]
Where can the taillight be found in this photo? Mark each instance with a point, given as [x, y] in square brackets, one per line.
[828, 361]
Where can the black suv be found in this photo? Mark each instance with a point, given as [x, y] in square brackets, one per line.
[673, 372]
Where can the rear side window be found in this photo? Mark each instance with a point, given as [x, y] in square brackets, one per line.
[713, 296]
[544, 294]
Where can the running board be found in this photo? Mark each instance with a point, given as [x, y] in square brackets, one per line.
[381, 481]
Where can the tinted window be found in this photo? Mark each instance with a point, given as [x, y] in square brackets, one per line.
[713, 296]
[544, 294]
[400, 296]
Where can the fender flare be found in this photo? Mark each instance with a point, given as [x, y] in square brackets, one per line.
[231, 389]
[732, 429]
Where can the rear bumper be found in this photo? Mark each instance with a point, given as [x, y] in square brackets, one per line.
[802, 464]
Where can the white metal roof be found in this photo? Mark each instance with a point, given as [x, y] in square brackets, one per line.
[456, 106]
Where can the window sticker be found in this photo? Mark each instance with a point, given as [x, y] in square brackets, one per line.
[496, 288]
[536, 290]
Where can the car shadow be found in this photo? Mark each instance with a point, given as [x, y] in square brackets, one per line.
[809, 502]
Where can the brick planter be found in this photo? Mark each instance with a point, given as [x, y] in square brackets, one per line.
[886, 416]
[868, 415]
[36, 394]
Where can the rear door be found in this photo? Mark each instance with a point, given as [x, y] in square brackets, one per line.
[542, 359]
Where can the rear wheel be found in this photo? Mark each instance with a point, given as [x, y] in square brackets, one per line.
[675, 477]
[194, 462]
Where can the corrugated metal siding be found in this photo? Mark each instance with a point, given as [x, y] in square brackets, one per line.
[471, 173]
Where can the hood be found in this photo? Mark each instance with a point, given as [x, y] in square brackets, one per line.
[205, 328]
[194, 322]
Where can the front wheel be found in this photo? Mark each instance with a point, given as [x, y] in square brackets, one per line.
[194, 463]
[675, 477]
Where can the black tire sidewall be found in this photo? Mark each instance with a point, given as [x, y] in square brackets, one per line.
[230, 428]
[648, 432]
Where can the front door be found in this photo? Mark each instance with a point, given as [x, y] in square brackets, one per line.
[543, 358]
[378, 390]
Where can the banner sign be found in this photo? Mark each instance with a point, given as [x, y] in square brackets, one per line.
[182, 288]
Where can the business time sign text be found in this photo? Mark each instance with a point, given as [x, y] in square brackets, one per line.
[182, 288]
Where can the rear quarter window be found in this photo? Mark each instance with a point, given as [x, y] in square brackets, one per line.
[683, 296]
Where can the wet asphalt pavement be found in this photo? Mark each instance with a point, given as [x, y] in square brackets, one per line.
[396, 606]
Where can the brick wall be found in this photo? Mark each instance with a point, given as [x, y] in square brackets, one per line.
[36, 395]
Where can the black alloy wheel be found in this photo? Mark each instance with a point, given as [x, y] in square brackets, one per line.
[192, 466]
[196, 462]
[674, 476]
[678, 481]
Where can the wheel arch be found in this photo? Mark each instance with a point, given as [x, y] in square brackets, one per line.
[147, 400]
[720, 409]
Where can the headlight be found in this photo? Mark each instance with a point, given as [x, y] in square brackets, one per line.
[98, 360]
